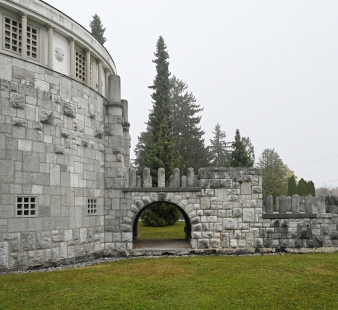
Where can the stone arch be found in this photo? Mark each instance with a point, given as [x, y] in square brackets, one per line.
[179, 200]
[187, 228]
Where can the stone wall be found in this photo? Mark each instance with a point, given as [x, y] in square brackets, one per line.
[225, 213]
[64, 145]
[51, 148]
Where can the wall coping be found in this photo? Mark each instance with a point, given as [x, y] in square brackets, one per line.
[162, 189]
[291, 215]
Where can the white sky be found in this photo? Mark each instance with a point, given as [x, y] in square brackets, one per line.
[269, 68]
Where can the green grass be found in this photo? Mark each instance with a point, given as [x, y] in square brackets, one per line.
[205, 282]
[175, 231]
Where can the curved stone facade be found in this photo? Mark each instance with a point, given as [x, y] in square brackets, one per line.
[51, 151]
[55, 41]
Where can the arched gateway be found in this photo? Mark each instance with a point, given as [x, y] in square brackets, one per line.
[136, 218]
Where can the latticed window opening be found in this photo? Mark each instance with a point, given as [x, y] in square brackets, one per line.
[12, 35]
[32, 42]
[91, 206]
[13, 38]
[80, 66]
[26, 206]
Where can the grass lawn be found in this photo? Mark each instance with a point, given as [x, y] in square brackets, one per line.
[175, 231]
[205, 282]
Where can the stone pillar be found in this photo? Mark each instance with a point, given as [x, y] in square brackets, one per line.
[23, 35]
[132, 177]
[88, 81]
[147, 180]
[195, 180]
[116, 175]
[301, 204]
[94, 77]
[176, 174]
[282, 204]
[288, 204]
[126, 135]
[314, 204]
[161, 177]
[72, 57]
[138, 181]
[114, 148]
[277, 204]
[269, 204]
[295, 203]
[191, 177]
[107, 73]
[171, 181]
[100, 76]
[308, 204]
[321, 204]
[50, 46]
[183, 181]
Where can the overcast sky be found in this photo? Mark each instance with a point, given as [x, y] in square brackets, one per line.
[269, 68]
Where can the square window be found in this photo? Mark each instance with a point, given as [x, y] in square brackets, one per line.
[91, 206]
[26, 206]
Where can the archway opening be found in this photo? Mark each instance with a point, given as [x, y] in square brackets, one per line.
[146, 235]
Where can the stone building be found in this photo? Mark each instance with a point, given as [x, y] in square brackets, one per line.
[67, 191]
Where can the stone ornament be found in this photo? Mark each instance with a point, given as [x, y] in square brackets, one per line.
[59, 54]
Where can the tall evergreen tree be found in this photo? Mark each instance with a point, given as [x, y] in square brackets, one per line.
[239, 156]
[218, 149]
[292, 186]
[163, 153]
[249, 148]
[302, 187]
[311, 188]
[156, 147]
[186, 127]
[161, 94]
[97, 29]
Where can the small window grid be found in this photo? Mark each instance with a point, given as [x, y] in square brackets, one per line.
[12, 35]
[80, 66]
[32, 42]
[26, 206]
[91, 206]
[13, 38]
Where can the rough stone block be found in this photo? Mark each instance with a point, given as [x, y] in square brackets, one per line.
[43, 239]
[46, 117]
[230, 223]
[246, 188]
[3, 255]
[28, 241]
[17, 101]
[19, 122]
[248, 215]
[203, 243]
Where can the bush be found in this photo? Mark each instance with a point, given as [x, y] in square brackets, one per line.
[160, 215]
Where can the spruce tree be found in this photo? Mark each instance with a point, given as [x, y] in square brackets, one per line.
[292, 186]
[218, 149]
[157, 146]
[239, 156]
[97, 29]
[302, 187]
[249, 148]
[186, 127]
[163, 153]
[161, 94]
